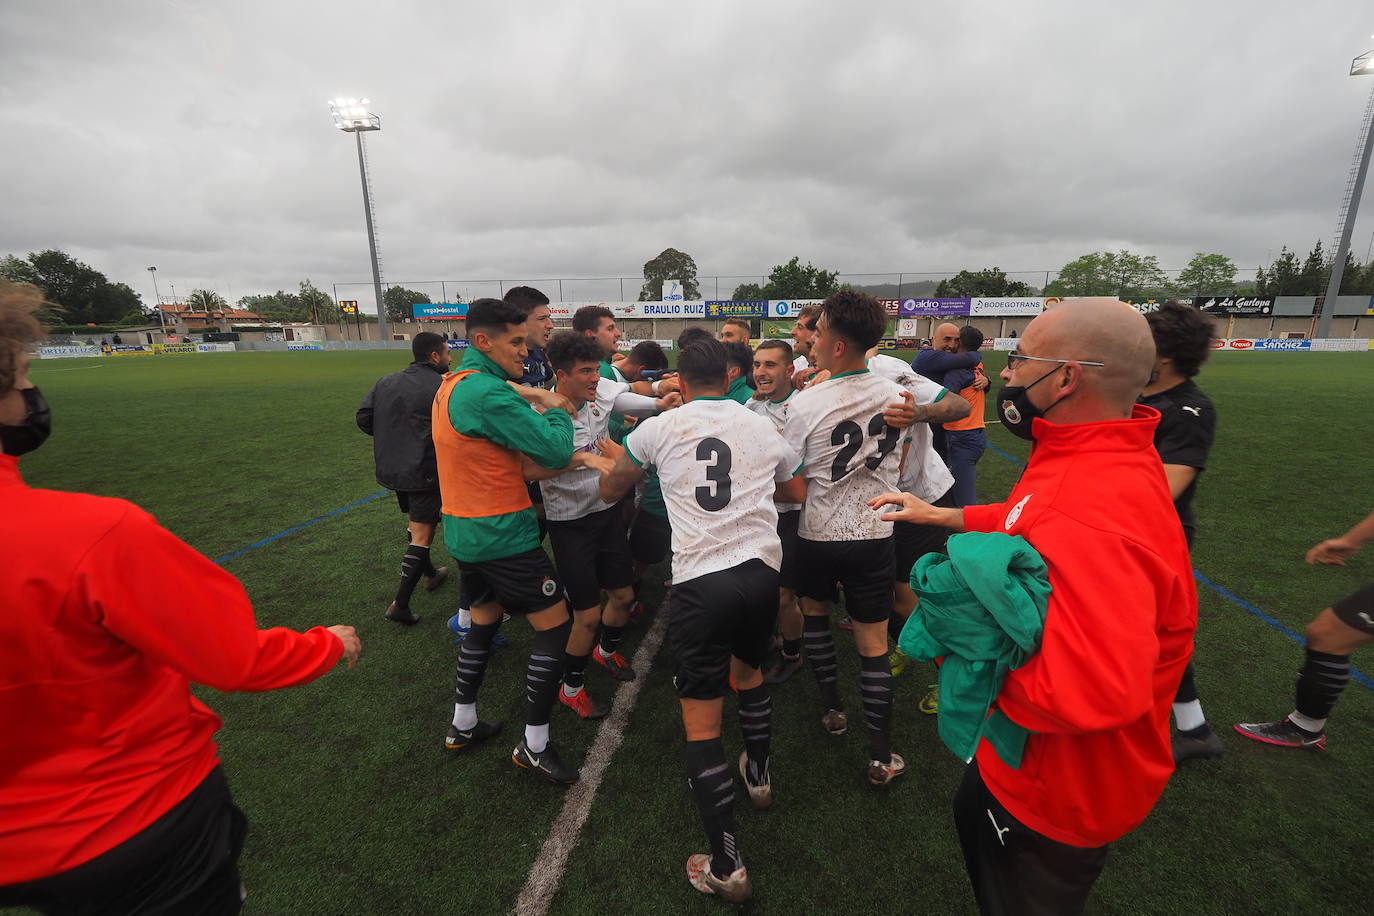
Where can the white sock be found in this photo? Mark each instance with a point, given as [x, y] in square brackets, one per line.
[537, 738]
[1188, 716]
[464, 617]
[1306, 722]
[464, 716]
[571, 692]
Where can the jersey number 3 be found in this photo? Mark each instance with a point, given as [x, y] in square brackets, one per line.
[852, 436]
[715, 497]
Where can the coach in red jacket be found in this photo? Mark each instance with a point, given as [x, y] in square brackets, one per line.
[112, 798]
[1119, 629]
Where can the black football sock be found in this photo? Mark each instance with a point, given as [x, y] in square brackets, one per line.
[610, 639]
[876, 688]
[820, 653]
[472, 662]
[429, 569]
[1320, 683]
[412, 566]
[574, 672]
[714, 792]
[543, 672]
[791, 648]
[756, 722]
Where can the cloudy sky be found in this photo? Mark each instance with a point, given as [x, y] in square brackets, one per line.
[528, 140]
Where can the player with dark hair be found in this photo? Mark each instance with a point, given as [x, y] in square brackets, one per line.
[1187, 428]
[739, 361]
[803, 336]
[721, 466]
[691, 334]
[851, 455]
[588, 539]
[736, 330]
[538, 329]
[1332, 636]
[396, 414]
[487, 441]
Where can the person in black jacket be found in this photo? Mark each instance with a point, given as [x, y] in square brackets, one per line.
[396, 414]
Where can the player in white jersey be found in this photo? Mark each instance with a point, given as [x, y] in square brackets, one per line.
[773, 370]
[721, 466]
[803, 336]
[851, 455]
[588, 538]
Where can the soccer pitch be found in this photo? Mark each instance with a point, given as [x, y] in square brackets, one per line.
[355, 807]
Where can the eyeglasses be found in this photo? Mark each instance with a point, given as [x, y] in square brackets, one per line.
[1014, 358]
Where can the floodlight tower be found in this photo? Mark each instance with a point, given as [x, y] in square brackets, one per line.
[352, 116]
[161, 315]
[1345, 223]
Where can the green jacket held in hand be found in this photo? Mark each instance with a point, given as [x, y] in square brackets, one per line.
[982, 609]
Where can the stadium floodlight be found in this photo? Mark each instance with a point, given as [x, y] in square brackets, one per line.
[1360, 66]
[352, 116]
[161, 315]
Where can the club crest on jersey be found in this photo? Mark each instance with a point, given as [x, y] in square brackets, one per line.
[549, 587]
[596, 411]
[1015, 514]
[1012, 414]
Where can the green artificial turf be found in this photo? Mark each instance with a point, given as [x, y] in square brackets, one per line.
[356, 808]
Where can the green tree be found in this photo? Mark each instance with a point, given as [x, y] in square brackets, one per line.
[669, 264]
[1111, 273]
[792, 281]
[316, 304]
[399, 300]
[1315, 272]
[990, 282]
[1281, 278]
[77, 288]
[206, 300]
[1206, 274]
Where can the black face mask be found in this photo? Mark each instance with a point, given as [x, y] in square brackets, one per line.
[1015, 409]
[34, 431]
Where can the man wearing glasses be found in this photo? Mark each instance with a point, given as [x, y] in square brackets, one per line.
[1118, 631]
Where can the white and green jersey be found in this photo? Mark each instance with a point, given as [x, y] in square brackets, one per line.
[851, 455]
[719, 464]
[576, 493]
[777, 412]
[924, 473]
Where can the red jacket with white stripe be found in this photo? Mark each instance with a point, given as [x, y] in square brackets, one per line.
[1118, 632]
[105, 618]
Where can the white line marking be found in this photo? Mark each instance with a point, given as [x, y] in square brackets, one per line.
[36, 371]
[537, 894]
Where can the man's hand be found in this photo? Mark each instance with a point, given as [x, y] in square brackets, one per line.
[810, 375]
[353, 646]
[544, 399]
[903, 414]
[917, 511]
[610, 448]
[980, 383]
[668, 384]
[669, 401]
[1333, 552]
[599, 463]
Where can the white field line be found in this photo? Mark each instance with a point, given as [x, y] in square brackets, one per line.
[33, 370]
[547, 873]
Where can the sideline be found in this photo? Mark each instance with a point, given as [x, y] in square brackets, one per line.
[547, 872]
[314, 521]
[1355, 674]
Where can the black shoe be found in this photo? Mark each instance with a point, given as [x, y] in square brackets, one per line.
[401, 615]
[457, 740]
[782, 669]
[546, 764]
[1206, 744]
[436, 580]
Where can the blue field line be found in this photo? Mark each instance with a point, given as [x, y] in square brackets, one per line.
[1359, 676]
[314, 521]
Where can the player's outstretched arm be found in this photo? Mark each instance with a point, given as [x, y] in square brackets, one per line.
[1335, 551]
[913, 509]
[621, 476]
[534, 471]
[948, 409]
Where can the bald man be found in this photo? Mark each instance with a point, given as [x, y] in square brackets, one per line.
[1096, 696]
[942, 358]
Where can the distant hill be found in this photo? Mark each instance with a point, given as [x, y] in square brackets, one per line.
[910, 289]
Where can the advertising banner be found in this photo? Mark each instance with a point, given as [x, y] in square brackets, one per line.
[305, 345]
[215, 348]
[891, 307]
[665, 309]
[625, 346]
[174, 348]
[67, 352]
[458, 344]
[931, 308]
[889, 343]
[1006, 307]
[908, 327]
[1240, 343]
[789, 308]
[672, 290]
[1279, 343]
[1235, 305]
[1003, 343]
[1338, 345]
[736, 308]
[128, 351]
[438, 310]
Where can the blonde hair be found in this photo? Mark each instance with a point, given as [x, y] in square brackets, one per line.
[18, 327]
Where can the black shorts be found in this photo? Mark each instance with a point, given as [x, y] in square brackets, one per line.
[718, 616]
[422, 506]
[787, 533]
[1357, 610]
[864, 568]
[522, 583]
[650, 537]
[536, 494]
[591, 554]
[186, 861]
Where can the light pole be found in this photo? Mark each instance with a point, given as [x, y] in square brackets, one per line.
[161, 315]
[1360, 66]
[352, 116]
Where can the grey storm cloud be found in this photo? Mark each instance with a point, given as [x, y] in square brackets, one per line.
[535, 140]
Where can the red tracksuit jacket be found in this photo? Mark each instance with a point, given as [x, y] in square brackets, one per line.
[1118, 632]
[105, 617]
